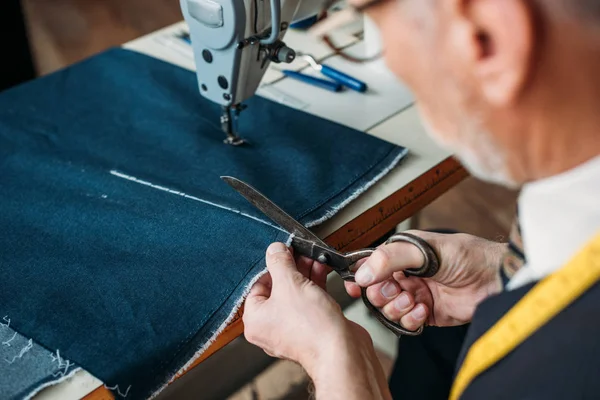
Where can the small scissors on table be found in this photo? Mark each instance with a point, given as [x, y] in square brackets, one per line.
[306, 243]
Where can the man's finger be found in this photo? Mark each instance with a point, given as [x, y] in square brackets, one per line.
[388, 259]
[353, 289]
[262, 287]
[280, 262]
[267, 352]
[304, 265]
[266, 280]
[382, 293]
[259, 292]
[415, 318]
[257, 297]
[396, 309]
[319, 274]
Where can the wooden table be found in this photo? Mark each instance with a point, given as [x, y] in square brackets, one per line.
[425, 174]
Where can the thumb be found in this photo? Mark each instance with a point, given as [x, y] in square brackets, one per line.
[386, 260]
[280, 263]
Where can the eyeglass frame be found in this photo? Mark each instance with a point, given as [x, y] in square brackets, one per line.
[328, 24]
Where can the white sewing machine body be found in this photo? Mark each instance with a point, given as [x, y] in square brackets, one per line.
[234, 41]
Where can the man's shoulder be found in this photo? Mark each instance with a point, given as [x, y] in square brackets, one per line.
[559, 360]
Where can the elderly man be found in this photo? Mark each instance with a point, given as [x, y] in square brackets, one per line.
[513, 88]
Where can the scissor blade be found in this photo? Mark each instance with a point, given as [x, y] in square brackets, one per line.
[271, 210]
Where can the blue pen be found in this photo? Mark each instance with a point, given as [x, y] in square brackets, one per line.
[322, 83]
[336, 75]
[185, 37]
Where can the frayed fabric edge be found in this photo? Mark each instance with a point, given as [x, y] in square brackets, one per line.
[45, 385]
[224, 325]
[218, 331]
[329, 213]
[336, 208]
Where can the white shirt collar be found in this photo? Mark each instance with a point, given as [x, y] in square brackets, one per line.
[557, 216]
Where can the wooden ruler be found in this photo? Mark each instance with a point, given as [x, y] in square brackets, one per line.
[361, 232]
[380, 219]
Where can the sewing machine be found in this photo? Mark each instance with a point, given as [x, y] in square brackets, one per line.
[234, 41]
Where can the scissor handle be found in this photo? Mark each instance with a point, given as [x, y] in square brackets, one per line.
[352, 258]
[431, 262]
[394, 327]
[429, 269]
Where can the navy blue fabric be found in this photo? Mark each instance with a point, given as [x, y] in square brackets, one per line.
[128, 280]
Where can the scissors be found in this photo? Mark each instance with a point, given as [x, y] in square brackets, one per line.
[306, 243]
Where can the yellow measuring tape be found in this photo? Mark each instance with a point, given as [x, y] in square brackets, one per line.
[538, 306]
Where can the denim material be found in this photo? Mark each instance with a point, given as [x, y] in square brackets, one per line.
[130, 279]
[27, 366]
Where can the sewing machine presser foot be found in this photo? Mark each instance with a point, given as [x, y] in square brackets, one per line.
[229, 117]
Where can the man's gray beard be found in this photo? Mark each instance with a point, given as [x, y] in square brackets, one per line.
[477, 151]
[487, 165]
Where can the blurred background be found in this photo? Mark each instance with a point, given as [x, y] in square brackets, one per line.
[62, 32]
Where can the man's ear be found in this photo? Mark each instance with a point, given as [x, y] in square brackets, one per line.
[502, 34]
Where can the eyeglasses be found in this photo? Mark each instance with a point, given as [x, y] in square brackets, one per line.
[327, 23]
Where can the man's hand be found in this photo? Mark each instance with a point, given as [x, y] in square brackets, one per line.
[289, 316]
[468, 274]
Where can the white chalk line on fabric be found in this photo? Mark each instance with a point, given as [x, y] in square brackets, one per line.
[330, 213]
[187, 196]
